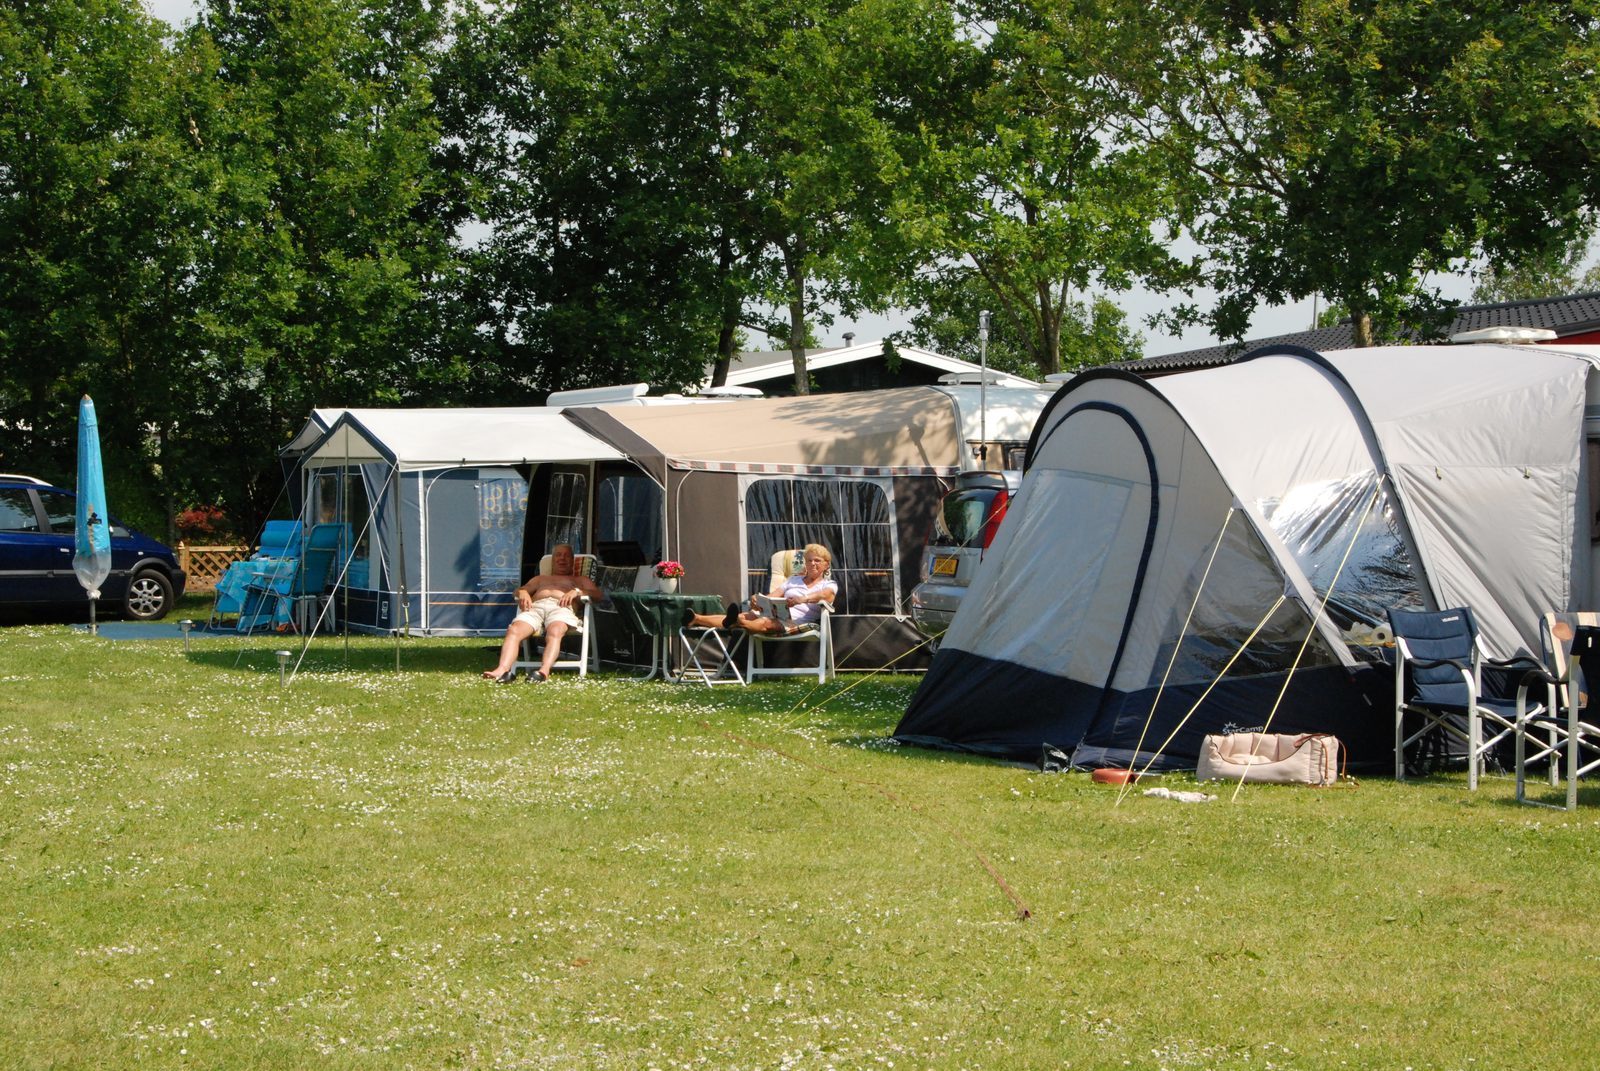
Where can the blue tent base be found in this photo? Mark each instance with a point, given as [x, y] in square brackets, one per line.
[153, 630]
[1098, 727]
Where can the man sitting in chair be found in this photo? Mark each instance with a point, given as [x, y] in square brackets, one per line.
[805, 592]
[544, 606]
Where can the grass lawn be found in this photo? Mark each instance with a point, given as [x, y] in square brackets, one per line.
[372, 869]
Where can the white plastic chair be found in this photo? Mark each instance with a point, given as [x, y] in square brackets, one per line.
[588, 655]
[786, 563]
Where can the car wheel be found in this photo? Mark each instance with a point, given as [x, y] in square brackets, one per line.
[149, 597]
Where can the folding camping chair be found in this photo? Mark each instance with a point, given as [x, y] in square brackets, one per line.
[1438, 688]
[1565, 737]
[307, 583]
[711, 655]
[786, 563]
[584, 565]
[278, 554]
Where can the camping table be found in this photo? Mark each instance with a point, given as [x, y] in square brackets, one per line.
[659, 616]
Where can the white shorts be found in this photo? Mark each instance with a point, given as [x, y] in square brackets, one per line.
[544, 611]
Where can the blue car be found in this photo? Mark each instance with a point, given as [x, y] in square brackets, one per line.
[36, 523]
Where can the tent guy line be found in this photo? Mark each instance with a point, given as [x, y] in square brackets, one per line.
[1310, 632]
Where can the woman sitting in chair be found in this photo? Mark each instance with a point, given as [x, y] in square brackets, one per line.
[805, 593]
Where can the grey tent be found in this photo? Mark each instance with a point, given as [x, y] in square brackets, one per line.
[1218, 550]
[863, 473]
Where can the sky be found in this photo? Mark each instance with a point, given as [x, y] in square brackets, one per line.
[1138, 304]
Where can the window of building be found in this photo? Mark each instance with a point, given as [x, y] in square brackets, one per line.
[339, 496]
[627, 516]
[502, 508]
[1592, 452]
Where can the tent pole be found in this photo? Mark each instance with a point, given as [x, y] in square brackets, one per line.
[1183, 630]
[1311, 630]
[344, 491]
[400, 546]
[983, 388]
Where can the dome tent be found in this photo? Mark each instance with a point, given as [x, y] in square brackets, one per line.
[1210, 550]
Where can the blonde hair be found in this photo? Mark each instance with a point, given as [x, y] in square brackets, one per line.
[818, 550]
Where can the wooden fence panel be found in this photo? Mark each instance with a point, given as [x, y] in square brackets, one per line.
[205, 565]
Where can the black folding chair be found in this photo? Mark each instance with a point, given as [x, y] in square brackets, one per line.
[1438, 691]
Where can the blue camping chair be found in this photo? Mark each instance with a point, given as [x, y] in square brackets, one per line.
[287, 594]
[1438, 690]
[279, 539]
[238, 591]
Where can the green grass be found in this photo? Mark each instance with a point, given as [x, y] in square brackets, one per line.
[374, 869]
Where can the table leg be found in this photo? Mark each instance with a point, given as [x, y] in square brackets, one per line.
[658, 669]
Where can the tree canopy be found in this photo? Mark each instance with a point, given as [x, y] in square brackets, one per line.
[1351, 148]
[298, 203]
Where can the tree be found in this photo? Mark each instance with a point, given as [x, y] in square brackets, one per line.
[1550, 273]
[660, 175]
[586, 151]
[1094, 331]
[1028, 181]
[1351, 148]
[102, 227]
[329, 243]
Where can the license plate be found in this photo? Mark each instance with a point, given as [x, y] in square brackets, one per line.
[944, 565]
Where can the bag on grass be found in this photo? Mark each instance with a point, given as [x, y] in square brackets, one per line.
[1270, 758]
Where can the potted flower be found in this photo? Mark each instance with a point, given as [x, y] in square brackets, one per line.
[668, 573]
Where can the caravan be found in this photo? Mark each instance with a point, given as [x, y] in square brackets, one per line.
[861, 473]
[448, 509]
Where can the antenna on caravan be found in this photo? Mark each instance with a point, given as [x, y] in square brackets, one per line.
[983, 388]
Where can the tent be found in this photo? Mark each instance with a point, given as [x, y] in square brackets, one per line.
[435, 500]
[721, 488]
[1217, 550]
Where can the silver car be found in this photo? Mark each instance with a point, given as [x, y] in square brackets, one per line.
[968, 519]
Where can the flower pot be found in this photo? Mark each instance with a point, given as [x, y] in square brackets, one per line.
[667, 585]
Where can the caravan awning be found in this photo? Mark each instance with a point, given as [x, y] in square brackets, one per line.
[412, 439]
[913, 431]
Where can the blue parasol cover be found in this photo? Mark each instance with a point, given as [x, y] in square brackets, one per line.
[91, 553]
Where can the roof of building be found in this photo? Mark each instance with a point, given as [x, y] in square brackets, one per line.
[753, 367]
[1573, 314]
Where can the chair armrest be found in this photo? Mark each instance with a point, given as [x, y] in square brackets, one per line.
[1536, 675]
[1519, 661]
